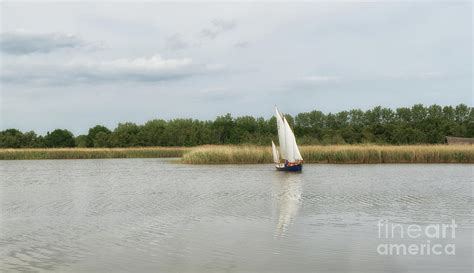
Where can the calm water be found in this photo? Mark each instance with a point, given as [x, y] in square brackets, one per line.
[150, 215]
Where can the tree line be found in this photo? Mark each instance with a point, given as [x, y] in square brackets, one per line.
[406, 125]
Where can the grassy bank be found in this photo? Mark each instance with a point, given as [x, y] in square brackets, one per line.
[91, 153]
[351, 154]
[227, 154]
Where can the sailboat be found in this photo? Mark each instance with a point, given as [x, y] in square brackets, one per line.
[289, 152]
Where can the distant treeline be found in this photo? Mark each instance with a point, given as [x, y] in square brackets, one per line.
[418, 124]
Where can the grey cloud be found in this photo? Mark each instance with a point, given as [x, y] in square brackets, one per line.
[224, 24]
[152, 69]
[218, 27]
[176, 42]
[21, 43]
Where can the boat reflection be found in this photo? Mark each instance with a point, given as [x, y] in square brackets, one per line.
[287, 193]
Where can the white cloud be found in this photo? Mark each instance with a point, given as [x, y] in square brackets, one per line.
[143, 69]
[152, 64]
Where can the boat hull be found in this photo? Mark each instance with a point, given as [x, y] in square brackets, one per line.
[292, 168]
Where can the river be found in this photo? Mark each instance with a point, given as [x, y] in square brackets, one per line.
[155, 215]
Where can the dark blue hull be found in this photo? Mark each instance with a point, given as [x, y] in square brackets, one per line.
[294, 168]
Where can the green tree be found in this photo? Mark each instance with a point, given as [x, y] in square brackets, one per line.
[91, 136]
[59, 138]
[223, 127]
[152, 133]
[125, 135]
[407, 125]
[81, 141]
[102, 139]
[11, 138]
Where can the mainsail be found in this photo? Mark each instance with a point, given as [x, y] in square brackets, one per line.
[281, 134]
[288, 147]
[297, 152]
[291, 141]
[276, 156]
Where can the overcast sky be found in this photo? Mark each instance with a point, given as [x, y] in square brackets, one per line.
[76, 65]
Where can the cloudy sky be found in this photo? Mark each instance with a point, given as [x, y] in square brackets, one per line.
[75, 65]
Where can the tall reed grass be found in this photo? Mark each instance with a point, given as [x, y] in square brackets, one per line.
[352, 154]
[91, 153]
[228, 154]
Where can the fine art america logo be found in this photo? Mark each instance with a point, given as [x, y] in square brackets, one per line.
[431, 239]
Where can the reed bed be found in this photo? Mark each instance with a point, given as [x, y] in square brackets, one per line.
[343, 154]
[241, 154]
[91, 153]
[228, 155]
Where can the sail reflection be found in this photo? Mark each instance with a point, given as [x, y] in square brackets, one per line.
[288, 201]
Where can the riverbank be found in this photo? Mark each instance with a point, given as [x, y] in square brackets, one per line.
[91, 153]
[229, 154]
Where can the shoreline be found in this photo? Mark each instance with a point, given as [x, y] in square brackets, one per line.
[90, 153]
[250, 154]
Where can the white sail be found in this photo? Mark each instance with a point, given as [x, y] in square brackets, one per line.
[297, 152]
[291, 146]
[276, 156]
[281, 134]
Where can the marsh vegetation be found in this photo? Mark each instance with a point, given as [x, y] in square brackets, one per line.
[91, 153]
[251, 154]
[352, 154]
